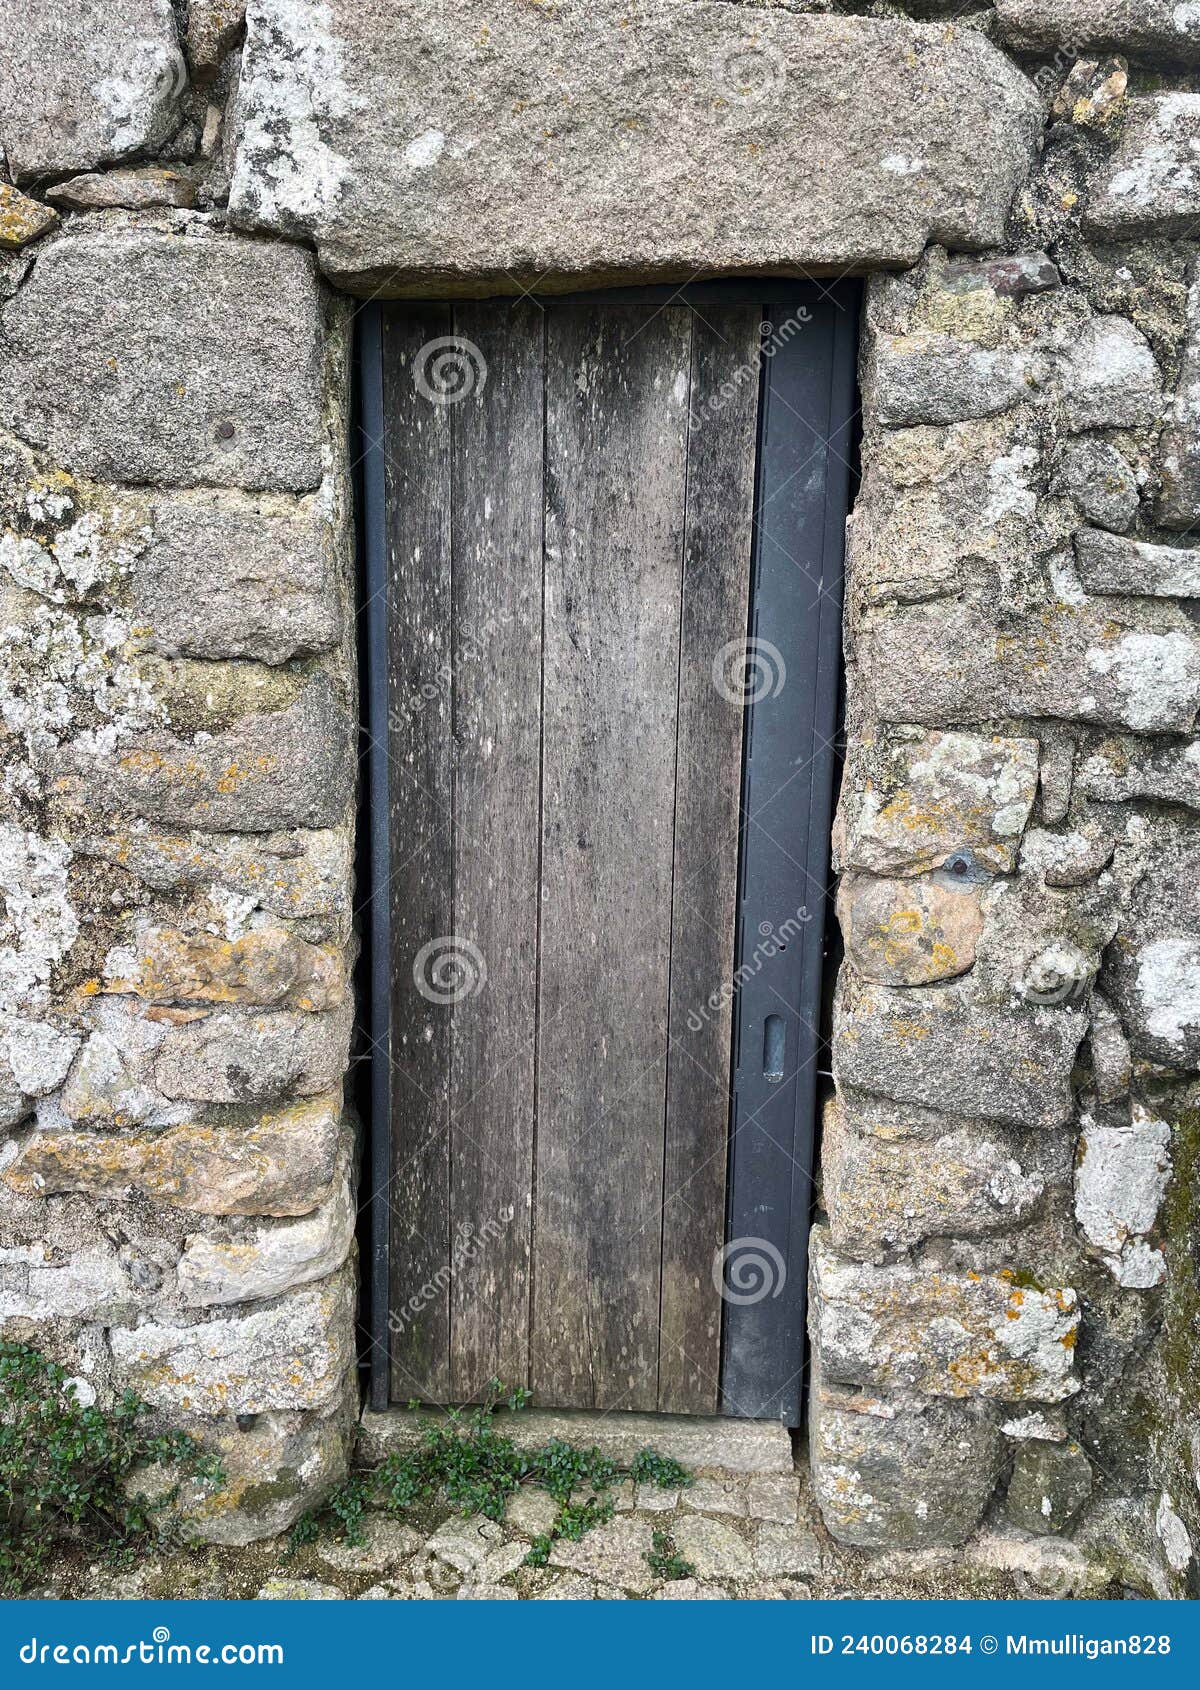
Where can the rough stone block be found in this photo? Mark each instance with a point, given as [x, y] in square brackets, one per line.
[282, 1163]
[910, 932]
[1152, 973]
[1049, 1485]
[291, 1354]
[1109, 564]
[1123, 26]
[232, 1058]
[290, 768]
[1150, 184]
[926, 799]
[887, 1476]
[134, 190]
[1121, 1176]
[267, 967]
[227, 576]
[378, 129]
[1120, 663]
[248, 1265]
[41, 1285]
[1123, 769]
[85, 81]
[887, 1193]
[1108, 377]
[213, 27]
[947, 1334]
[202, 363]
[1098, 479]
[1179, 446]
[928, 1047]
[22, 220]
[935, 379]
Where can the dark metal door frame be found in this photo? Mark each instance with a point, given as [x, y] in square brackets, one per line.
[793, 677]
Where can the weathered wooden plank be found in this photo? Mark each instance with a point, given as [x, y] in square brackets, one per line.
[616, 409]
[720, 519]
[497, 664]
[418, 456]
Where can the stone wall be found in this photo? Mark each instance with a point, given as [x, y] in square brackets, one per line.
[1005, 1301]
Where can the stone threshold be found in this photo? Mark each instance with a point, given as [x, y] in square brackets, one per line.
[699, 1442]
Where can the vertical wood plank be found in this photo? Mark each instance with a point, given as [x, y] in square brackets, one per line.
[497, 657]
[418, 456]
[617, 397]
[720, 515]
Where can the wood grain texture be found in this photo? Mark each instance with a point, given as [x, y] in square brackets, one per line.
[616, 416]
[497, 663]
[719, 538]
[418, 457]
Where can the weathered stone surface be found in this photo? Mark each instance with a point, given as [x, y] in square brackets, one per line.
[1150, 185]
[1049, 1485]
[22, 219]
[1109, 564]
[1142, 26]
[786, 1551]
[1152, 973]
[1068, 860]
[202, 363]
[936, 379]
[226, 576]
[387, 1543]
[1120, 663]
[299, 1590]
[889, 1193]
[925, 800]
[698, 1441]
[1109, 378]
[41, 1284]
[40, 923]
[1121, 1176]
[1098, 479]
[1043, 944]
[291, 1354]
[1112, 1066]
[247, 1266]
[771, 1497]
[1179, 446]
[136, 190]
[378, 130]
[230, 1058]
[1003, 1065]
[716, 1550]
[614, 1554]
[283, 1163]
[293, 767]
[84, 81]
[267, 967]
[213, 27]
[1008, 276]
[893, 1477]
[1122, 769]
[949, 1335]
[1059, 1568]
[913, 931]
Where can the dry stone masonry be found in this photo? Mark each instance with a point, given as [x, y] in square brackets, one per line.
[1005, 1297]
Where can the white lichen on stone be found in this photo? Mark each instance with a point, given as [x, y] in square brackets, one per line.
[39, 925]
[1120, 1179]
[1172, 1534]
[1157, 674]
[1168, 982]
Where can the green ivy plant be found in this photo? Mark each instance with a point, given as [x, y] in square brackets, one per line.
[65, 1471]
[665, 1559]
[464, 1458]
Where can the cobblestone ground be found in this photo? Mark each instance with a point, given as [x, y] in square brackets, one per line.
[746, 1538]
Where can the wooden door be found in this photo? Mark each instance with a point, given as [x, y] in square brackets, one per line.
[568, 516]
